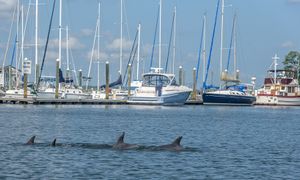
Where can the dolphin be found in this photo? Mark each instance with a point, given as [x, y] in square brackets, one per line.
[123, 146]
[174, 146]
[31, 141]
[53, 142]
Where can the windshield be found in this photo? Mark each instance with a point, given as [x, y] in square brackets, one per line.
[155, 80]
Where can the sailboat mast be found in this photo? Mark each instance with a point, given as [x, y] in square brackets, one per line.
[22, 36]
[138, 52]
[174, 40]
[36, 40]
[159, 43]
[67, 50]
[221, 41]
[98, 33]
[17, 44]
[98, 47]
[59, 32]
[234, 46]
[121, 41]
[204, 46]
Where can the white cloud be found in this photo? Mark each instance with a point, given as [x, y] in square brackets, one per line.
[74, 43]
[103, 56]
[87, 32]
[115, 44]
[7, 7]
[288, 44]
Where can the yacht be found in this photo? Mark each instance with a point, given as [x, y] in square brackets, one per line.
[70, 92]
[281, 87]
[159, 89]
[19, 94]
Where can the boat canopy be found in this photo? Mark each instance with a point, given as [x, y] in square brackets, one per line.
[155, 79]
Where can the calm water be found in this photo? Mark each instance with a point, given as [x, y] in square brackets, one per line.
[223, 142]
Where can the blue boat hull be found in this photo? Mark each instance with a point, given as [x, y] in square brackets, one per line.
[225, 99]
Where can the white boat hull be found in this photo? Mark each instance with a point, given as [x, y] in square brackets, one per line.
[278, 100]
[17, 94]
[77, 96]
[178, 98]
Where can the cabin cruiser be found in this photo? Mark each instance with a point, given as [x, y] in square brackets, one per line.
[160, 89]
[281, 87]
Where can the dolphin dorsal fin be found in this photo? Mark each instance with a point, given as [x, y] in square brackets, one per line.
[53, 142]
[177, 141]
[31, 140]
[121, 138]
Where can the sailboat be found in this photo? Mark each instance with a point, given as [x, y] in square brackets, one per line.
[159, 88]
[227, 95]
[17, 92]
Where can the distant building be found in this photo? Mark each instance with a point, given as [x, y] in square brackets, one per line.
[10, 78]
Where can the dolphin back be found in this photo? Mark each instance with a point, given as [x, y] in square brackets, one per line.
[177, 141]
[121, 138]
[31, 140]
[53, 142]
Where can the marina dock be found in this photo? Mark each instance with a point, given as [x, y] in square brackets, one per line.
[75, 101]
[60, 101]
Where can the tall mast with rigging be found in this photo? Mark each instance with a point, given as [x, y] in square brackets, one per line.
[159, 38]
[138, 52]
[36, 74]
[221, 41]
[121, 38]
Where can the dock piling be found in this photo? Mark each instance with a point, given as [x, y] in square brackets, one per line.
[80, 78]
[107, 80]
[129, 80]
[57, 79]
[194, 94]
[180, 76]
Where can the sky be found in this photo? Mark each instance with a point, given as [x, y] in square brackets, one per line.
[264, 28]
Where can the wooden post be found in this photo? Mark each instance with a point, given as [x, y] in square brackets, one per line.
[129, 80]
[194, 95]
[9, 77]
[57, 79]
[180, 76]
[25, 85]
[37, 72]
[107, 80]
[80, 78]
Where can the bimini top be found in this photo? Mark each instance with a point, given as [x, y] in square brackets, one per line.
[154, 79]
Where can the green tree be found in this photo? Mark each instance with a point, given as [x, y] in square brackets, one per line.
[291, 62]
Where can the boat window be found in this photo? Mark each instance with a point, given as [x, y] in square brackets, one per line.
[282, 88]
[291, 89]
[153, 80]
[173, 82]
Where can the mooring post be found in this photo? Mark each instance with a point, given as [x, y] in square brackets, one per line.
[129, 80]
[180, 76]
[57, 79]
[194, 85]
[37, 72]
[25, 85]
[107, 80]
[80, 78]
[9, 77]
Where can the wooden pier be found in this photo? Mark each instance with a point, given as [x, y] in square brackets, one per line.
[75, 101]
[60, 101]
